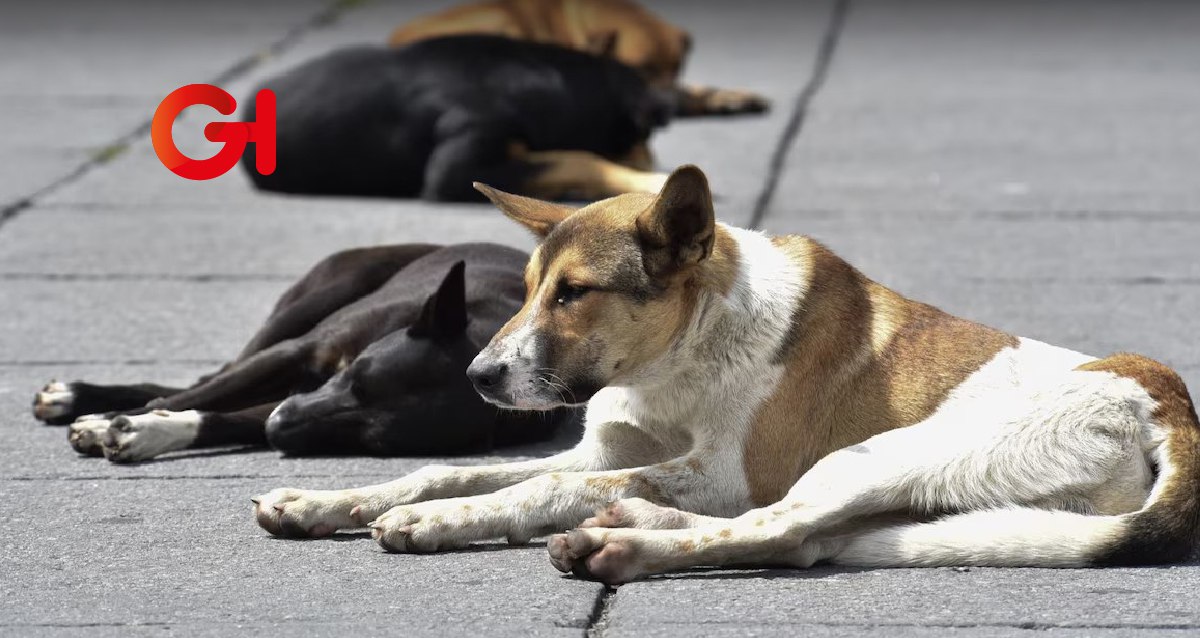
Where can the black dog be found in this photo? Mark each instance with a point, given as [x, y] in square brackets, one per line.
[365, 354]
[429, 118]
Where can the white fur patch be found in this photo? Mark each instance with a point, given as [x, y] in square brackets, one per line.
[54, 400]
[145, 436]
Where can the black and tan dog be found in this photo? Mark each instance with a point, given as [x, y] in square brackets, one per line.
[427, 119]
[620, 29]
[364, 355]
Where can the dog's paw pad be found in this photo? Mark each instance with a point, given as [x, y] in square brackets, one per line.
[53, 404]
[86, 435]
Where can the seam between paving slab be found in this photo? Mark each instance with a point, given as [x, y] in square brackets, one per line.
[117, 147]
[795, 123]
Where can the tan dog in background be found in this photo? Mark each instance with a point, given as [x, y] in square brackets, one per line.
[620, 29]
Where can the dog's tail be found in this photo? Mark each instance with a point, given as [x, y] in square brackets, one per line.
[1165, 530]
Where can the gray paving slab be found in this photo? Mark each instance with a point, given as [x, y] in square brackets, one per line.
[962, 106]
[1000, 600]
[180, 554]
[246, 240]
[131, 320]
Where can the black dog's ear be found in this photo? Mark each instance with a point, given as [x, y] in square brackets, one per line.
[445, 312]
[679, 228]
[538, 216]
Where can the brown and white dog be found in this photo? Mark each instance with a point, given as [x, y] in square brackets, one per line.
[620, 29]
[757, 400]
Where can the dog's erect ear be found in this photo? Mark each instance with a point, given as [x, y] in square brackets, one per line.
[534, 214]
[603, 44]
[677, 230]
[445, 311]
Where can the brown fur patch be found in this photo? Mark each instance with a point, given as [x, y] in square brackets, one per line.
[618, 28]
[860, 360]
[586, 175]
[1166, 531]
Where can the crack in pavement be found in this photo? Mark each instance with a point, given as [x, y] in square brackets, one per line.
[820, 72]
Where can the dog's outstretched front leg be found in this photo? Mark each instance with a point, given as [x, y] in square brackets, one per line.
[299, 513]
[540, 505]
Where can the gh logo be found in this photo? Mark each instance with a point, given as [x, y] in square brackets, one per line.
[233, 135]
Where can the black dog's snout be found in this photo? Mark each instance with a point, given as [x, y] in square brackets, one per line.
[487, 375]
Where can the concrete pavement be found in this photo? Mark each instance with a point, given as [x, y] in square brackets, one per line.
[1032, 165]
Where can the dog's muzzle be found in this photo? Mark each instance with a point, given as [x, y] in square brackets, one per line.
[490, 379]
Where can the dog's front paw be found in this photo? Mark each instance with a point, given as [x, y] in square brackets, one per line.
[129, 439]
[86, 435]
[292, 513]
[606, 555]
[437, 525]
[54, 403]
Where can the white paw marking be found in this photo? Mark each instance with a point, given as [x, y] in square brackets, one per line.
[86, 434]
[145, 436]
[53, 401]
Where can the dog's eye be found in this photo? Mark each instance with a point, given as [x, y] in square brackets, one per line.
[568, 293]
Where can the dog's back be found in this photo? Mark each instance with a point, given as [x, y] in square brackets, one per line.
[369, 121]
[621, 29]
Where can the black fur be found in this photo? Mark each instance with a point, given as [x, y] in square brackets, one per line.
[428, 119]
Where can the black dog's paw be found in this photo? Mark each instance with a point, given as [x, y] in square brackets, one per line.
[86, 435]
[54, 404]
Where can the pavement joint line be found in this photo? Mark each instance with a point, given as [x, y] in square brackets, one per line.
[1035, 626]
[202, 278]
[106, 153]
[597, 622]
[1146, 280]
[820, 72]
[1005, 215]
[193, 477]
[18, 363]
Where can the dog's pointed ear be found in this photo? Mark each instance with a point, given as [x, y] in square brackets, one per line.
[538, 216]
[445, 311]
[603, 44]
[678, 229]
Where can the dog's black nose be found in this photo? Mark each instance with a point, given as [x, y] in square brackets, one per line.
[486, 375]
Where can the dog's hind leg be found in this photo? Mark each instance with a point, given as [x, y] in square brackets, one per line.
[1013, 457]
[132, 438]
[63, 403]
[266, 376]
[698, 101]
[584, 175]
